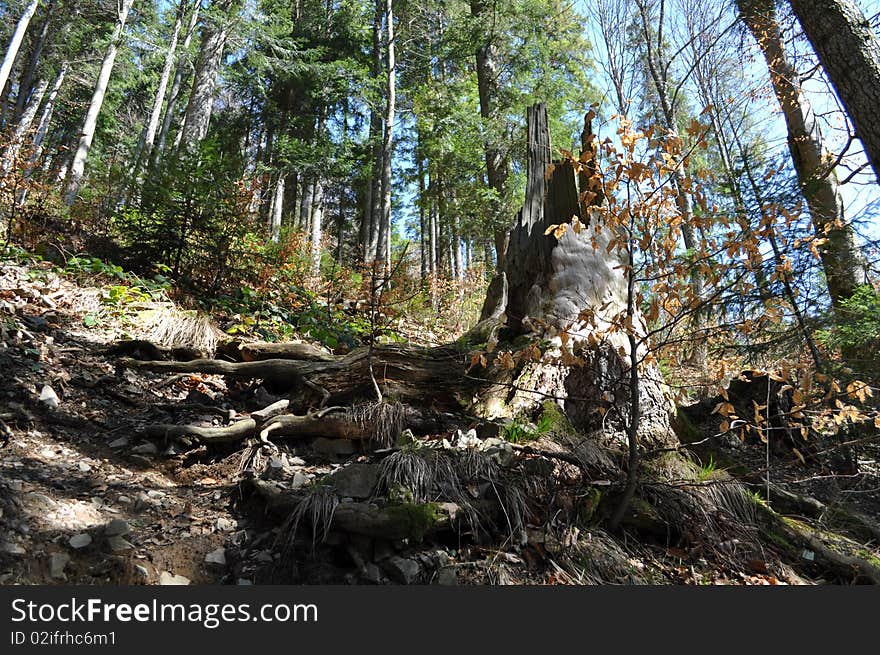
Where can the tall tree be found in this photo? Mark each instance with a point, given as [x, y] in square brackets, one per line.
[145, 146]
[383, 251]
[215, 32]
[488, 84]
[174, 95]
[841, 259]
[78, 165]
[15, 42]
[849, 51]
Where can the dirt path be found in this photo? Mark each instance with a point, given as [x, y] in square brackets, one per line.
[81, 500]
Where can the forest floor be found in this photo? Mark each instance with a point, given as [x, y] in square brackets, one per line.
[85, 500]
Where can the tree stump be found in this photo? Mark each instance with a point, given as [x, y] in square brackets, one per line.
[564, 294]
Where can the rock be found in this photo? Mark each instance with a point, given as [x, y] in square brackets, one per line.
[35, 323]
[402, 570]
[11, 548]
[49, 398]
[116, 527]
[216, 557]
[372, 573]
[333, 448]
[275, 468]
[148, 448]
[121, 442]
[223, 524]
[84, 467]
[296, 461]
[299, 481]
[118, 544]
[465, 440]
[243, 582]
[142, 571]
[355, 481]
[167, 578]
[447, 576]
[80, 540]
[499, 450]
[57, 564]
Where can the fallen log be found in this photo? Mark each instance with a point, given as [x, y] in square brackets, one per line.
[380, 424]
[431, 377]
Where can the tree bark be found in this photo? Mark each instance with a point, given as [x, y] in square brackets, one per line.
[24, 125]
[496, 160]
[24, 87]
[176, 85]
[15, 42]
[849, 51]
[145, 147]
[78, 166]
[568, 294]
[841, 259]
[215, 32]
[383, 250]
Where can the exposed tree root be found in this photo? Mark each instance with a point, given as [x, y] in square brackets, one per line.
[394, 521]
[379, 424]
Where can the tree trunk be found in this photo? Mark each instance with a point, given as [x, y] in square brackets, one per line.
[566, 293]
[24, 125]
[145, 147]
[849, 51]
[277, 209]
[43, 128]
[174, 96]
[496, 161]
[383, 250]
[317, 228]
[24, 87]
[78, 166]
[841, 259]
[15, 42]
[201, 99]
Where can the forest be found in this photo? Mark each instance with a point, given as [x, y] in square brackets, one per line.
[457, 292]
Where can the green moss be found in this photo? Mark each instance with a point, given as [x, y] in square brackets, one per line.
[415, 520]
[553, 419]
[588, 506]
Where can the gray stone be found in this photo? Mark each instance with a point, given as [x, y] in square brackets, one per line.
[117, 543]
[57, 564]
[80, 540]
[447, 576]
[121, 442]
[355, 481]
[142, 571]
[402, 570]
[216, 557]
[243, 582]
[84, 467]
[296, 461]
[223, 524]
[12, 548]
[148, 448]
[167, 578]
[299, 480]
[372, 573]
[49, 398]
[116, 527]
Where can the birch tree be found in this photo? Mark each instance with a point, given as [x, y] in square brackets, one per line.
[15, 42]
[87, 134]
